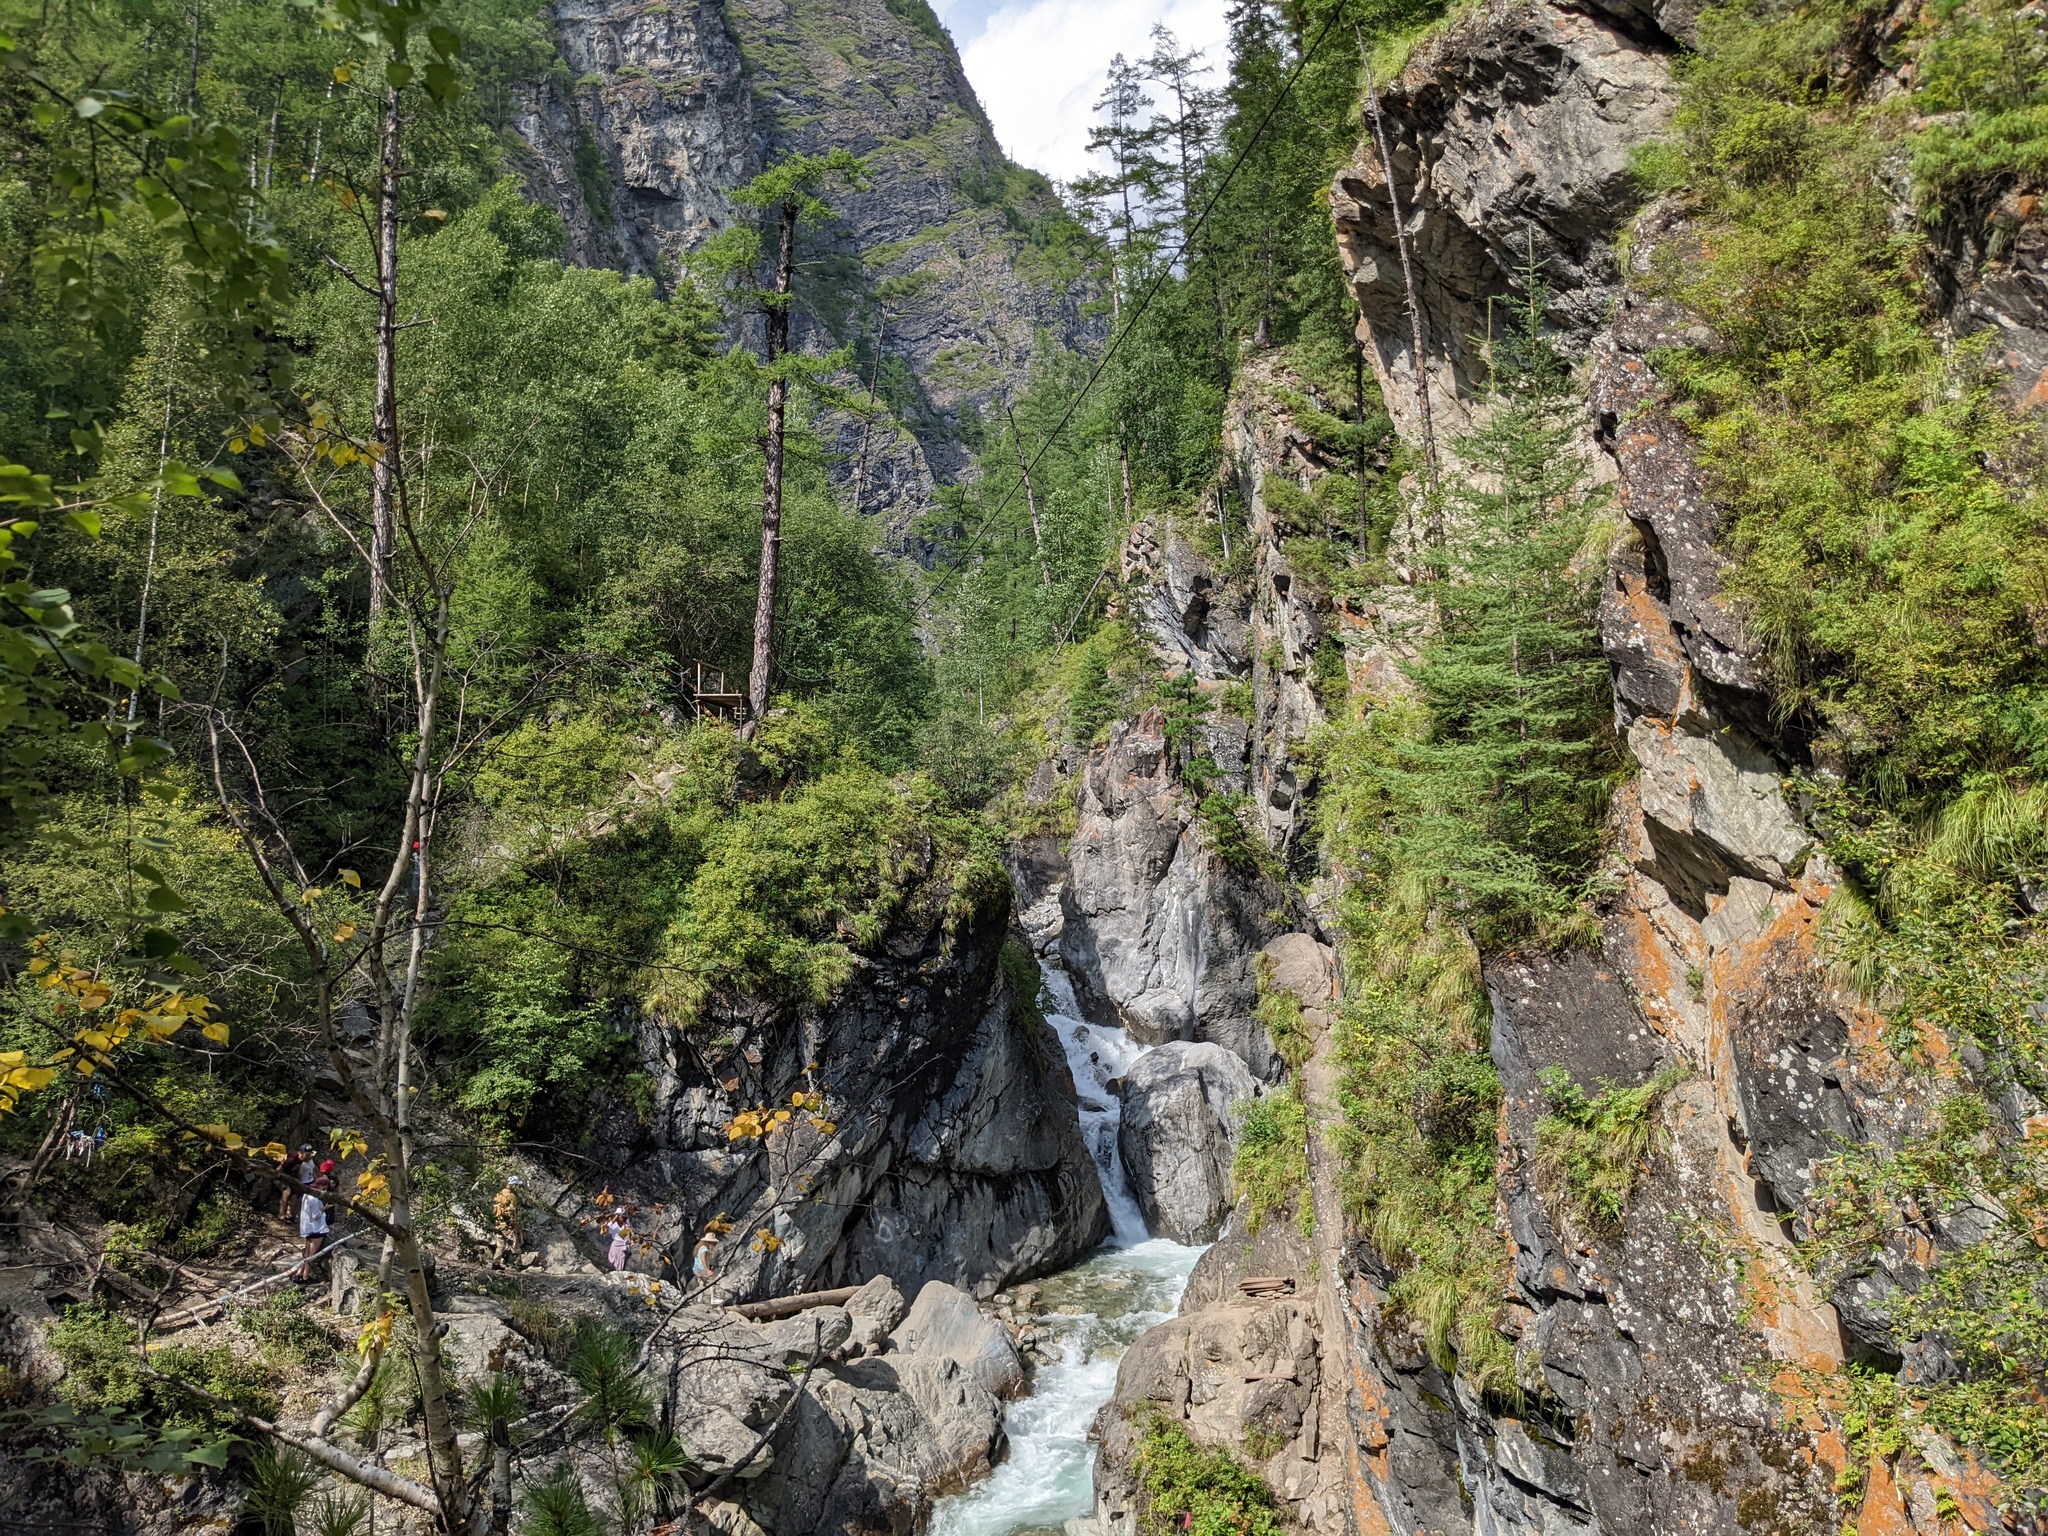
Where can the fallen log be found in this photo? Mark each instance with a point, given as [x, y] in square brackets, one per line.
[789, 1306]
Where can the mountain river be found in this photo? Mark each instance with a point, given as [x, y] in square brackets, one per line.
[1092, 1311]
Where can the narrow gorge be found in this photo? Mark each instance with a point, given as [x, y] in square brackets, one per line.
[1396, 877]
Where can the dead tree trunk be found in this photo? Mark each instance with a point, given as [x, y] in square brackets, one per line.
[384, 467]
[771, 494]
[1030, 497]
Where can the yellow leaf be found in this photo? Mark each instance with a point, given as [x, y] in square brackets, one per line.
[275, 1151]
[375, 1335]
[92, 1039]
[344, 933]
[343, 73]
[351, 879]
[438, 215]
[37, 967]
[347, 1141]
[237, 445]
[797, 1098]
[310, 894]
[217, 1033]
[84, 1067]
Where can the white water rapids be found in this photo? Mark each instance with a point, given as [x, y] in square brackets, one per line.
[1094, 1311]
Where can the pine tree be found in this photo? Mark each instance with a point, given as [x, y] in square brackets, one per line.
[1502, 795]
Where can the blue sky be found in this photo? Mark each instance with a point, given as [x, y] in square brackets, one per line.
[1038, 64]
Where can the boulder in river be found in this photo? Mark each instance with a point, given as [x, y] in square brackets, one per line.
[1182, 1103]
[945, 1323]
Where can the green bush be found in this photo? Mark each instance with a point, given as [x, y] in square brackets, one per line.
[287, 1336]
[1271, 1169]
[101, 1373]
[1185, 1487]
[1592, 1148]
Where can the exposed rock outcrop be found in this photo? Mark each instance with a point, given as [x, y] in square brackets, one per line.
[945, 1323]
[956, 1152]
[1158, 932]
[661, 110]
[1510, 131]
[1178, 1136]
[868, 1445]
[1675, 1368]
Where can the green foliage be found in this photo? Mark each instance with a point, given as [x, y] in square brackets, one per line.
[1501, 798]
[280, 1481]
[1593, 1147]
[1270, 1172]
[1879, 556]
[554, 1506]
[495, 1397]
[601, 1363]
[1203, 1490]
[61, 1435]
[650, 1483]
[102, 1375]
[334, 1515]
[540, 1324]
[1985, 61]
[1280, 1012]
[1020, 966]
[922, 20]
[289, 1339]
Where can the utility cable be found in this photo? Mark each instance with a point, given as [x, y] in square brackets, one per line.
[1144, 303]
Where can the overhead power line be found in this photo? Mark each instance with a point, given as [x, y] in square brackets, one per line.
[1159, 281]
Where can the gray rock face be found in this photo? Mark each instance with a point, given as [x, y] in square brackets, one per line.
[1158, 932]
[1191, 619]
[1181, 1105]
[663, 109]
[1511, 125]
[944, 1323]
[1289, 620]
[869, 1444]
[1639, 1350]
[955, 1151]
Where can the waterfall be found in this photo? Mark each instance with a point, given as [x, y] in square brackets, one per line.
[1094, 1311]
[1098, 1057]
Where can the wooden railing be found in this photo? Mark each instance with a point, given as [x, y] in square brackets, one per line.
[710, 696]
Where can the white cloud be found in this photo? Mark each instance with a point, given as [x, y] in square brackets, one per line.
[1038, 65]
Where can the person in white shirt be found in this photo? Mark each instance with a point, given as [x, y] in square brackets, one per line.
[312, 1227]
[306, 1171]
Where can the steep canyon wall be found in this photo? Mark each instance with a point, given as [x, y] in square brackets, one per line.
[659, 109]
[1684, 1370]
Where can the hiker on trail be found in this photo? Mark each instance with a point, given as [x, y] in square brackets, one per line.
[312, 1227]
[304, 1170]
[505, 1216]
[704, 1260]
[622, 1242]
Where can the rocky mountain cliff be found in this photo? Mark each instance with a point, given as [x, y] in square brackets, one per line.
[947, 266]
[1681, 1371]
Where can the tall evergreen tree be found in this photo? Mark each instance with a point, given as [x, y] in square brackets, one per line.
[1501, 798]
